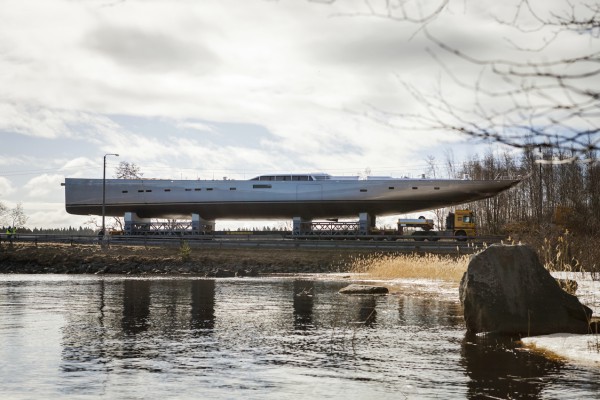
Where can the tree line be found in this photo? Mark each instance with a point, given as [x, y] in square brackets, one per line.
[82, 231]
[558, 189]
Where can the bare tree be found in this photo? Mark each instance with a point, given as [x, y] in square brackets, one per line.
[17, 216]
[541, 102]
[127, 170]
[3, 211]
[532, 98]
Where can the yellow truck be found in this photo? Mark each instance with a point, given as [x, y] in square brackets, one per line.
[460, 225]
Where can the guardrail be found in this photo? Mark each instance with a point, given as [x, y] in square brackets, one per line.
[272, 240]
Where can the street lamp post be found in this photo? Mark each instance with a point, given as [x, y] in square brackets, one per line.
[104, 236]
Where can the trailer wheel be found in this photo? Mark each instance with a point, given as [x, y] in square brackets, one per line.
[418, 236]
[461, 236]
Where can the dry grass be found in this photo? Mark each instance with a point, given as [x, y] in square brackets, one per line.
[396, 266]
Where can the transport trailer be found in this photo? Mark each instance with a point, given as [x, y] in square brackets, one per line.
[184, 228]
[460, 225]
[179, 228]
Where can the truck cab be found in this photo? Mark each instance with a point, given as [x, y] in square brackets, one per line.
[461, 223]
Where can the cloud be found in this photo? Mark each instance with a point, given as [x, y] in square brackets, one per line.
[33, 121]
[50, 122]
[6, 187]
[150, 50]
[48, 214]
[81, 167]
[197, 126]
[46, 186]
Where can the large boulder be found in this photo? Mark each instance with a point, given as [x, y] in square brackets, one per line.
[506, 290]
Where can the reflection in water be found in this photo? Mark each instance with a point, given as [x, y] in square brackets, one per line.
[429, 312]
[136, 306]
[118, 337]
[499, 370]
[367, 314]
[202, 313]
[365, 309]
[304, 292]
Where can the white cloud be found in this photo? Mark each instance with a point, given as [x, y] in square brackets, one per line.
[46, 186]
[197, 126]
[46, 214]
[6, 187]
[41, 122]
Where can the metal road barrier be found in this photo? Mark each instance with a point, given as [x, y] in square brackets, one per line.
[264, 241]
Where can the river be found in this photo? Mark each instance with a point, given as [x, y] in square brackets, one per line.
[65, 336]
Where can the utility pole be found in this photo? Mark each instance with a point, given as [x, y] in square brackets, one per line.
[104, 235]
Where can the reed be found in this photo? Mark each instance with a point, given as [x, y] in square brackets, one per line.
[557, 254]
[411, 266]
[185, 251]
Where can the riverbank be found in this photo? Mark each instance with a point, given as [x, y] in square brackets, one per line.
[121, 259]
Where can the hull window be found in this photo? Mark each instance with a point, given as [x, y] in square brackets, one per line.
[261, 186]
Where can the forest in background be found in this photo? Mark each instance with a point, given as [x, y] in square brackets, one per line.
[552, 193]
[556, 207]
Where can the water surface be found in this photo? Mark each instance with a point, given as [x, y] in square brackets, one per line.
[118, 337]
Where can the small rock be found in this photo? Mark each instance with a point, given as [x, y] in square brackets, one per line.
[240, 273]
[222, 273]
[364, 289]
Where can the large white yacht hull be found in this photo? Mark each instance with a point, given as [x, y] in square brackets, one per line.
[252, 199]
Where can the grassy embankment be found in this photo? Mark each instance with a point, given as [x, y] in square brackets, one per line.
[410, 266]
[562, 252]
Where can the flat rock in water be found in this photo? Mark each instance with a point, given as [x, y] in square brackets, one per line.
[506, 290]
[364, 289]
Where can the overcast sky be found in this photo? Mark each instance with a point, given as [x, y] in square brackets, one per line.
[207, 89]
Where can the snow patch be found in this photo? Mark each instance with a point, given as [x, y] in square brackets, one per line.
[577, 348]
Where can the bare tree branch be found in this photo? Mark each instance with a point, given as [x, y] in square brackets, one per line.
[535, 100]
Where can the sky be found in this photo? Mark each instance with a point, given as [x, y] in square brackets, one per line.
[222, 88]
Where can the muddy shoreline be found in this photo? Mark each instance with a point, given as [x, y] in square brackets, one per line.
[91, 259]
